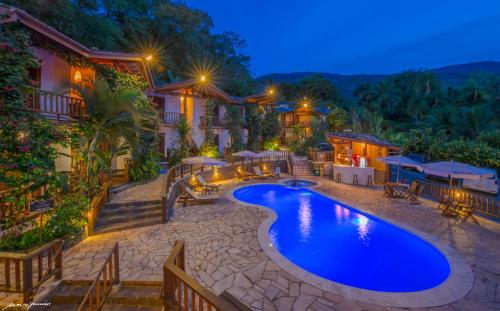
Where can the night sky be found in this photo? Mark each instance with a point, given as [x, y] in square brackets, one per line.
[359, 36]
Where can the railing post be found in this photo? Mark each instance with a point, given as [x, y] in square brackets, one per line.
[164, 212]
[168, 290]
[27, 279]
[117, 264]
[58, 260]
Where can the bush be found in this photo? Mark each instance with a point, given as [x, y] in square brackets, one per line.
[145, 168]
[66, 221]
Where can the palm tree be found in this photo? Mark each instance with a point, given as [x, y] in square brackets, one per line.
[112, 116]
[472, 121]
[384, 96]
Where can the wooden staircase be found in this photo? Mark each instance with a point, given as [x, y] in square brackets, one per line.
[123, 216]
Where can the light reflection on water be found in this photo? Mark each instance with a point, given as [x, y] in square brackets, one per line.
[305, 216]
[363, 224]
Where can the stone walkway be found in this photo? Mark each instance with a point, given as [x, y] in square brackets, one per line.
[224, 254]
[150, 191]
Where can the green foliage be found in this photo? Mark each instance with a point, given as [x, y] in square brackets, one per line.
[183, 131]
[27, 141]
[338, 120]
[254, 118]
[271, 126]
[65, 221]
[491, 138]
[210, 151]
[235, 123]
[145, 169]
[438, 147]
[272, 144]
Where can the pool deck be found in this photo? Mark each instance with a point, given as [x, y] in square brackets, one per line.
[224, 253]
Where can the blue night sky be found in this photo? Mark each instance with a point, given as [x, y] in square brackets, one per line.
[359, 36]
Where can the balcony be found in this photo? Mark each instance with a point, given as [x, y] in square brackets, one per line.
[217, 121]
[55, 106]
[171, 118]
[292, 123]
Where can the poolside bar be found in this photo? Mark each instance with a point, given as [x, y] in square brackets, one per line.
[354, 157]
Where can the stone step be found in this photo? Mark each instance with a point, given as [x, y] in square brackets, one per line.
[126, 217]
[136, 223]
[123, 297]
[129, 210]
[132, 203]
[120, 188]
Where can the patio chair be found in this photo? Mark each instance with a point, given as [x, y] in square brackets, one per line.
[259, 173]
[202, 181]
[275, 173]
[387, 190]
[196, 186]
[414, 192]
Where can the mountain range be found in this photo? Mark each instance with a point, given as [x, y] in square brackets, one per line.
[453, 75]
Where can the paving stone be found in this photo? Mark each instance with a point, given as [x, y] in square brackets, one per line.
[306, 289]
[255, 274]
[294, 289]
[223, 284]
[284, 303]
[303, 302]
[272, 292]
[241, 281]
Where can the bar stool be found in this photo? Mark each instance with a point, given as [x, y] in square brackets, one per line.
[338, 177]
[369, 183]
[355, 179]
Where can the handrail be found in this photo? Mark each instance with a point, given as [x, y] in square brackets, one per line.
[53, 251]
[171, 118]
[53, 104]
[110, 273]
[219, 121]
[481, 203]
[180, 291]
[96, 204]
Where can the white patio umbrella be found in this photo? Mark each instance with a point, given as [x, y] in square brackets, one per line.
[452, 169]
[246, 154]
[400, 160]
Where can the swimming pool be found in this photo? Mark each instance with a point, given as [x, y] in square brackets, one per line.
[299, 183]
[344, 245]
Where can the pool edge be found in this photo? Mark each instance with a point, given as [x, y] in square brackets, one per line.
[455, 287]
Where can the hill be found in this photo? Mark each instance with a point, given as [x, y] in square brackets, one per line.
[449, 75]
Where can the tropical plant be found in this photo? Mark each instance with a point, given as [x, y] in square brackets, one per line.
[112, 117]
[235, 123]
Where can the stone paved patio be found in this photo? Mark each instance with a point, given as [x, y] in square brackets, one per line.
[224, 254]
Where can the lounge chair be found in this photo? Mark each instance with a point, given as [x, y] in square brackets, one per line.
[259, 173]
[202, 181]
[192, 194]
[243, 175]
[196, 186]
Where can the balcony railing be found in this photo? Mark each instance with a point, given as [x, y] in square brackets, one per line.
[216, 121]
[171, 118]
[291, 123]
[55, 106]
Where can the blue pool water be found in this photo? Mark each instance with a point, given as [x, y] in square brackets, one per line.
[298, 183]
[344, 245]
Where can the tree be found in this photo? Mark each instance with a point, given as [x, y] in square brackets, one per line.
[338, 120]
[235, 124]
[112, 116]
[254, 120]
[271, 126]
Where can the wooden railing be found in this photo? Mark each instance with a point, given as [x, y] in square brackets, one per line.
[96, 204]
[54, 105]
[320, 156]
[181, 292]
[482, 204]
[288, 123]
[22, 264]
[9, 211]
[171, 118]
[289, 161]
[217, 121]
[108, 276]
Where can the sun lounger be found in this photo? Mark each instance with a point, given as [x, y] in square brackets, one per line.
[413, 192]
[259, 173]
[243, 175]
[197, 195]
[202, 181]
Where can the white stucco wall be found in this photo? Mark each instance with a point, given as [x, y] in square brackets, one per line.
[55, 72]
[198, 111]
